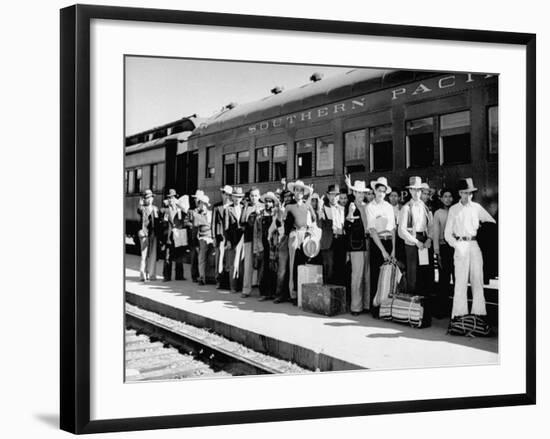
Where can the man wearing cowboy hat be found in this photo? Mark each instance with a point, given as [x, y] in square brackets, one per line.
[218, 212]
[202, 223]
[415, 228]
[463, 222]
[299, 217]
[381, 224]
[148, 239]
[174, 221]
[358, 247]
[233, 234]
[248, 218]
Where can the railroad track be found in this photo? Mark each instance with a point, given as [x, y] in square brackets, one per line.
[159, 348]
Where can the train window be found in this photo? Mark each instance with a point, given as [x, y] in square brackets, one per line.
[304, 158]
[242, 159]
[210, 168]
[324, 156]
[137, 180]
[161, 167]
[381, 148]
[229, 164]
[420, 142]
[131, 185]
[262, 164]
[355, 151]
[126, 181]
[454, 138]
[280, 156]
[492, 127]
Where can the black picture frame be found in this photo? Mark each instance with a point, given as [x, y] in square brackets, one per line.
[75, 217]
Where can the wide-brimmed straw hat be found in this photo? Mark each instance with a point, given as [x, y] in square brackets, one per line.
[415, 183]
[227, 189]
[381, 181]
[269, 196]
[426, 186]
[299, 184]
[172, 193]
[311, 247]
[466, 184]
[203, 198]
[148, 193]
[358, 186]
[198, 193]
[237, 192]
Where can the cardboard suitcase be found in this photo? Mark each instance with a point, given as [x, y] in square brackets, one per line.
[308, 273]
[322, 299]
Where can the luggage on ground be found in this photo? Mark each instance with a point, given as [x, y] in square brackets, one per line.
[469, 325]
[308, 273]
[322, 299]
[388, 280]
[407, 309]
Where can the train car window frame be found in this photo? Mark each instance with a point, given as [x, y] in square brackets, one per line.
[138, 182]
[242, 158]
[260, 161]
[492, 138]
[458, 131]
[382, 138]
[303, 149]
[230, 159]
[426, 133]
[210, 168]
[328, 156]
[358, 163]
[279, 162]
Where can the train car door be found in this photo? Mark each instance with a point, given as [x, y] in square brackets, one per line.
[187, 172]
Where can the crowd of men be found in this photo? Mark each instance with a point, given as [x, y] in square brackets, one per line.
[261, 239]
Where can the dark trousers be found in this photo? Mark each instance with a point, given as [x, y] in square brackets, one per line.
[376, 261]
[420, 278]
[334, 262]
[281, 291]
[173, 254]
[299, 259]
[446, 270]
[194, 262]
[235, 282]
[267, 277]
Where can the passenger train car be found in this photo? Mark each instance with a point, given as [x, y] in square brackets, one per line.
[158, 159]
[367, 123]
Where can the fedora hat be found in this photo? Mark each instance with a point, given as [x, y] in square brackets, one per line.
[269, 196]
[311, 247]
[172, 193]
[426, 186]
[237, 192]
[381, 181]
[415, 183]
[227, 189]
[148, 193]
[299, 184]
[359, 186]
[333, 189]
[466, 184]
[198, 193]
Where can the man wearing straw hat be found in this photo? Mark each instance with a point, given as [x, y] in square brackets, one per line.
[463, 222]
[358, 247]
[174, 219]
[265, 244]
[299, 217]
[233, 233]
[415, 228]
[150, 221]
[202, 222]
[218, 212]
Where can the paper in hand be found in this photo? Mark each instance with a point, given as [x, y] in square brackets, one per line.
[423, 258]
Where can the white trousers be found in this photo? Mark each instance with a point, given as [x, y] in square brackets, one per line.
[468, 265]
[148, 263]
[295, 239]
[360, 281]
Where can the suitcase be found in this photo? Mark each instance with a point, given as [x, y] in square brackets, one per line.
[322, 299]
[388, 280]
[308, 273]
[406, 309]
[470, 325]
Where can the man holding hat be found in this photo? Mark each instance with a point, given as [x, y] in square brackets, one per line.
[299, 217]
[463, 222]
[218, 212]
[233, 233]
[415, 228]
[150, 221]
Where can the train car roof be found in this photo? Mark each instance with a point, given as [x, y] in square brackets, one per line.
[331, 89]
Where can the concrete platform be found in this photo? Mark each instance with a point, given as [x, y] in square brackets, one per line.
[316, 342]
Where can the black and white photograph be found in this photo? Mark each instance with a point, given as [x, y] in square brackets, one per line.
[295, 219]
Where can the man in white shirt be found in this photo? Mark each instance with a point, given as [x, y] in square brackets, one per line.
[461, 229]
[415, 228]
